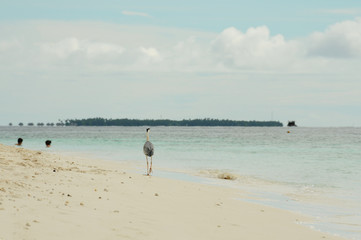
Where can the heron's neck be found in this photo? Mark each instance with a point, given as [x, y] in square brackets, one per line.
[147, 136]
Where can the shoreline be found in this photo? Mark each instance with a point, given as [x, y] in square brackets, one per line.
[51, 196]
[325, 217]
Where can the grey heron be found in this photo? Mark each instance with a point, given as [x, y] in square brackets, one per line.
[148, 150]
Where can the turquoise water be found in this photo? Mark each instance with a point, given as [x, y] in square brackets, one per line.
[315, 171]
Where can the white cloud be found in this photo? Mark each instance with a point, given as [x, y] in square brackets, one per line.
[9, 44]
[130, 13]
[150, 52]
[99, 49]
[341, 40]
[63, 48]
[255, 48]
[123, 49]
[69, 46]
[101, 68]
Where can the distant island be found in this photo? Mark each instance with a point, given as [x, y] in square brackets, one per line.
[168, 122]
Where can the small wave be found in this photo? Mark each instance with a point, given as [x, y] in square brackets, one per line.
[244, 180]
[227, 176]
[219, 174]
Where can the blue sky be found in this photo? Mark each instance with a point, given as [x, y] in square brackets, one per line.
[290, 18]
[243, 60]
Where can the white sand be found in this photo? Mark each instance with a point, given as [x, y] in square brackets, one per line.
[94, 199]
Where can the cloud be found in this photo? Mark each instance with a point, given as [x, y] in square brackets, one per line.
[130, 13]
[341, 40]
[114, 48]
[151, 53]
[255, 48]
[71, 46]
[9, 44]
[105, 69]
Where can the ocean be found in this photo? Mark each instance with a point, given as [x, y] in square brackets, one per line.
[312, 171]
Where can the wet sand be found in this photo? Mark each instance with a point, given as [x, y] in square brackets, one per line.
[48, 196]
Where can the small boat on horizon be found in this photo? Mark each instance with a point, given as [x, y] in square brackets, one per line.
[291, 124]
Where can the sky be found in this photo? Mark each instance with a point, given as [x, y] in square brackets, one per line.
[241, 60]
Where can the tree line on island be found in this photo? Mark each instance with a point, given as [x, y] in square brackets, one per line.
[158, 122]
[40, 124]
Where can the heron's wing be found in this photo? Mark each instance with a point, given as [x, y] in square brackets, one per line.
[148, 148]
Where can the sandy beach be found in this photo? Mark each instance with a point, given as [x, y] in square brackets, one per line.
[49, 196]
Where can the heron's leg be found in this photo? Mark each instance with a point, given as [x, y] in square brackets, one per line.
[150, 169]
[146, 157]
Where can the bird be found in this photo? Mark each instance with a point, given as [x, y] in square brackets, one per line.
[148, 150]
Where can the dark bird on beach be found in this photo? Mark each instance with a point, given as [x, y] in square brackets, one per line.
[148, 150]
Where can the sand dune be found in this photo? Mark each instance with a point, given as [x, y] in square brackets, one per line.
[47, 196]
